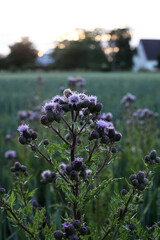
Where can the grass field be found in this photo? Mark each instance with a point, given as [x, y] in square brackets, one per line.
[18, 90]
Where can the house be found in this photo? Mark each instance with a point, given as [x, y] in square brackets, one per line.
[147, 54]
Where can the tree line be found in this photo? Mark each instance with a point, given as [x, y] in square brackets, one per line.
[94, 50]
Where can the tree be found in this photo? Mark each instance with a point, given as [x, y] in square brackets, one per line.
[22, 53]
[85, 53]
[120, 50]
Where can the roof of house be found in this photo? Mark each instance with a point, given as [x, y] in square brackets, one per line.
[151, 47]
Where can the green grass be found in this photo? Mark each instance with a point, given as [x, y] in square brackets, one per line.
[18, 90]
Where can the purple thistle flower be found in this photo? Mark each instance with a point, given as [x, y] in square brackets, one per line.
[93, 99]
[71, 79]
[57, 99]
[74, 99]
[46, 174]
[88, 172]
[82, 96]
[49, 106]
[128, 98]
[23, 128]
[62, 166]
[102, 124]
[10, 154]
[68, 228]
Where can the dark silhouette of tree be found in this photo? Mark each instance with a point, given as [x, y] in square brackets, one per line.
[22, 53]
[85, 53]
[121, 53]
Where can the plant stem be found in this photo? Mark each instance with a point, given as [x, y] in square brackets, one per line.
[23, 196]
[91, 153]
[99, 170]
[54, 130]
[66, 123]
[84, 125]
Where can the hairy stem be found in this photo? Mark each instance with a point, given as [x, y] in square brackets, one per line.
[64, 140]
[91, 153]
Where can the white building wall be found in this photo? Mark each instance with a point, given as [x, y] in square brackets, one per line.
[140, 60]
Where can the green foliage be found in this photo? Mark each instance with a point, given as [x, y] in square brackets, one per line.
[23, 54]
[122, 53]
[84, 53]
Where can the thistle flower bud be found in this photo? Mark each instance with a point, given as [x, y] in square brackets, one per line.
[83, 231]
[141, 186]
[145, 181]
[132, 177]
[44, 120]
[22, 140]
[12, 169]
[23, 168]
[113, 150]
[85, 103]
[2, 190]
[73, 175]
[120, 210]
[140, 176]
[105, 139]
[135, 182]
[66, 107]
[68, 228]
[117, 137]
[67, 93]
[73, 237]
[147, 158]
[58, 235]
[132, 226]
[34, 203]
[46, 142]
[98, 107]
[68, 169]
[34, 135]
[124, 191]
[153, 154]
[107, 221]
[111, 132]
[94, 134]
[50, 116]
[77, 163]
[17, 166]
[77, 224]
[57, 117]
[83, 167]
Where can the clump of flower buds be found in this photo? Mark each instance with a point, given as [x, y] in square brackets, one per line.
[71, 231]
[18, 169]
[139, 181]
[26, 135]
[152, 158]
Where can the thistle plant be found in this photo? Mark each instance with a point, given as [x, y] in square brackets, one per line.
[83, 146]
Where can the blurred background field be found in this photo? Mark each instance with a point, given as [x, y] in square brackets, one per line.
[26, 90]
[20, 90]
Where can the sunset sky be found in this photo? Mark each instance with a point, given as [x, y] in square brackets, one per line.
[44, 21]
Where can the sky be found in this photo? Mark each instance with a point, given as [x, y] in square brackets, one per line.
[45, 21]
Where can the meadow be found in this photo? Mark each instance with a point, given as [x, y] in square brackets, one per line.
[18, 91]
[22, 91]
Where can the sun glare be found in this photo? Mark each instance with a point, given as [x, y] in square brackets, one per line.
[40, 54]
